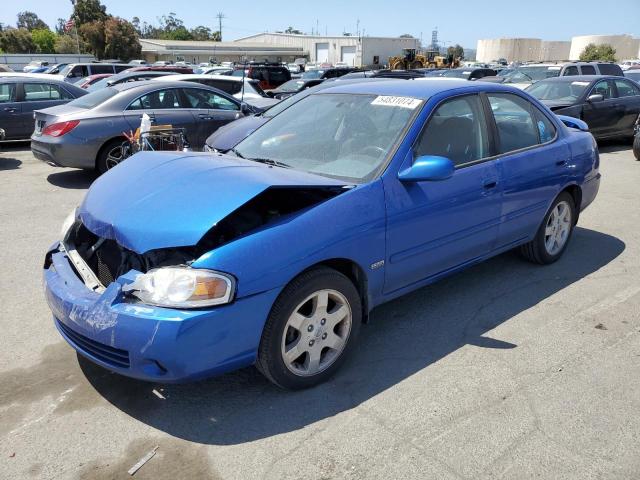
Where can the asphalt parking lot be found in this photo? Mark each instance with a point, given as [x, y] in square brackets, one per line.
[507, 370]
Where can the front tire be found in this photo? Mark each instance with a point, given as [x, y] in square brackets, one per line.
[636, 146]
[554, 233]
[311, 329]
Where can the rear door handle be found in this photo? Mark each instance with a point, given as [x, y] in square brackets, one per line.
[561, 163]
[490, 184]
[204, 116]
[10, 109]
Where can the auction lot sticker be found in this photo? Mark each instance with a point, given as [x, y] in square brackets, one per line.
[390, 101]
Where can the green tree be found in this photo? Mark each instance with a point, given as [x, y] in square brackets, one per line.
[60, 26]
[455, 51]
[31, 21]
[44, 40]
[406, 35]
[17, 40]
[67, 44]
[201, 33]
[87, 11]
[121, 40]
[180, 33]
[593, 52]
[93, 35]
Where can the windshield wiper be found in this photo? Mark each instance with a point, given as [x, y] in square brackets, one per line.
[270, 161]
[236, 153]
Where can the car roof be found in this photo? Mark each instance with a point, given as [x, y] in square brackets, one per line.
[193, 76]
[121, 87]
[581, 78]
[422, 88]
[32, 79]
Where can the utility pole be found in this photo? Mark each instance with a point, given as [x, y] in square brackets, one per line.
[220, 16]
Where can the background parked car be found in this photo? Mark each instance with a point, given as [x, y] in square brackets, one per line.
[269, 75]
[162, 68]
[294, 86]
[213, 70]
[5, 68]
[76, 71]
[525, 75]
[633, 74]
[84, 133]
[469, 73]
[325, 73]
[129, 76]
[610, 105]
[20, 96]
[92, 79]
[55, 68]
[34, 64]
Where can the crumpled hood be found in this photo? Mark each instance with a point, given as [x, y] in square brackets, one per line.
[161, 199]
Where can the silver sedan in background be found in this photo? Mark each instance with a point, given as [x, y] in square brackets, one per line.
[85, 132]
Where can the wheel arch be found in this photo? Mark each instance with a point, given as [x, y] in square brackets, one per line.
[104, 146]
[354, 272]
[576, 193]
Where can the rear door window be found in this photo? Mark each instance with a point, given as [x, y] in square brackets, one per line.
[198, 98]
[7, 92]
[588, 69]
[44, 91]
[158, 100]
[626, 88]
[517, 129]
[610, 69]
[79, 71]
[98, 69]
[120, 68]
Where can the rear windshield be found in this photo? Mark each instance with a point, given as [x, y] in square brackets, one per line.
[457, 73]
[610, 69]
[531, 74]
[94, 99]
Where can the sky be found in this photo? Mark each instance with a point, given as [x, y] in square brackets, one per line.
[457, 21]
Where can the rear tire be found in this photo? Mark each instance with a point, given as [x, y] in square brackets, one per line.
[107, 158]
[553, 236]
[636, 146]
[312, 328]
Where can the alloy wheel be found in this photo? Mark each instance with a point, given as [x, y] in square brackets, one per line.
[316, 333]
[558, 228]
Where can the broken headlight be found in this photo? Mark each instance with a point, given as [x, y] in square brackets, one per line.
[182, 287]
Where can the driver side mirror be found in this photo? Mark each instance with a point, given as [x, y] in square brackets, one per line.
[428, 168]
[246, 109]
[595, 98]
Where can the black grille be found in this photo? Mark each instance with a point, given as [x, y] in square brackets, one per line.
[110, 355]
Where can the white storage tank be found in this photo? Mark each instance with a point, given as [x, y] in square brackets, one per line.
[625, 45]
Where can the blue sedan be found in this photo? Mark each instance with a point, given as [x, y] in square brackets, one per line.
[182, 266]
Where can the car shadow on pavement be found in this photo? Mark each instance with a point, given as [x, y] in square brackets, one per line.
[613, 146]
[74, 179]
[9, 163]
[404, 337]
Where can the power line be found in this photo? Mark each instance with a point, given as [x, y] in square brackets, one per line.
[220, 16]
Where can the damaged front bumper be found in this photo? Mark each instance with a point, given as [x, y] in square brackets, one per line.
[152, 343]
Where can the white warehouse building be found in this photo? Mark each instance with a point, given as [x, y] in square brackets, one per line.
[626, 46]
[354, 51]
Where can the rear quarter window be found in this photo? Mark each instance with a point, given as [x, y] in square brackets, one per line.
[610, 69]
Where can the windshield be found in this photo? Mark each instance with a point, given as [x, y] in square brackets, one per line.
[457, 73]
[558, 91]
[343, 136]
[94, 99]
[531, 74]
[312, 74]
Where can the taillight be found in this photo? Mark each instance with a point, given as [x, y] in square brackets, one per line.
[60, 129]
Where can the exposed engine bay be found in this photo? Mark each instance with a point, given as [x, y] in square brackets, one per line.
[108, 260]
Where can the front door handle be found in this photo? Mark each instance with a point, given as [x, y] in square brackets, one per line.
[490, 184]
[204, 116]
[10, 109]
[561, 163]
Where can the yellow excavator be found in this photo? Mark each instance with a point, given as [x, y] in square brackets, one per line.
[430, 59]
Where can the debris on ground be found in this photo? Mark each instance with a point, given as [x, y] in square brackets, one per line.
[600, 327]
[12, 455]
[158, 394]
[142, 461]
